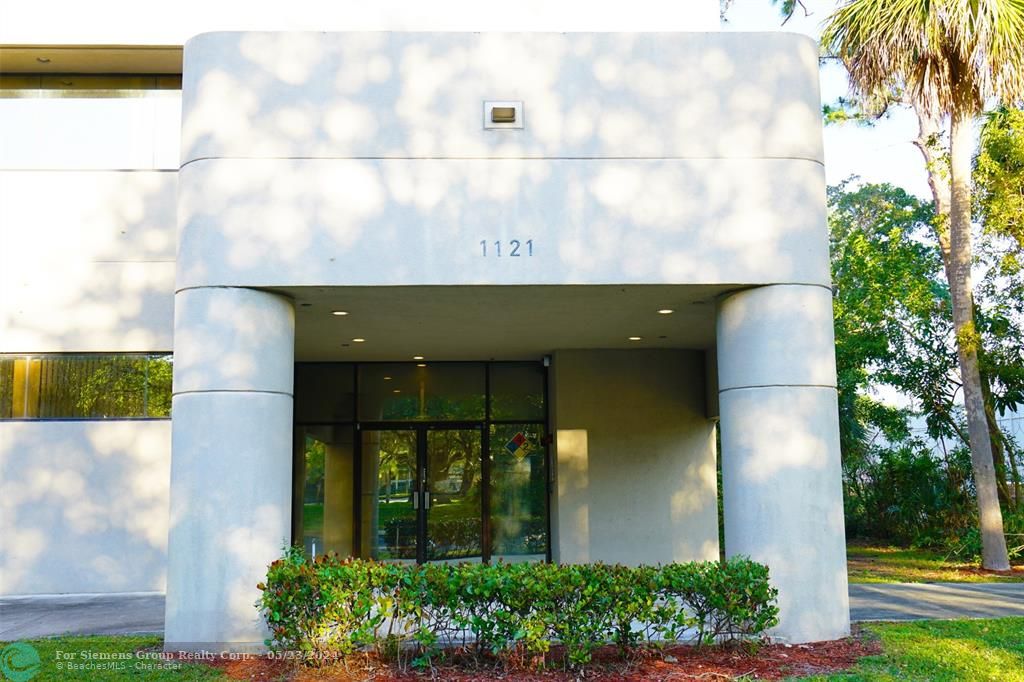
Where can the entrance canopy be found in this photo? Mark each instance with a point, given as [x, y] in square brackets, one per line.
[497, 322]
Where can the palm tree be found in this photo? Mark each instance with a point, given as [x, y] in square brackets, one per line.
[945, 58]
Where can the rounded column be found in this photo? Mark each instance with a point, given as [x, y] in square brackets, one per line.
[231, 463]
[781, 470]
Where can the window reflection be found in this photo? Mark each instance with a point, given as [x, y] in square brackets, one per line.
[327, 493]
[414, 487]
[519, 527]
[407, 392]
[86, 386]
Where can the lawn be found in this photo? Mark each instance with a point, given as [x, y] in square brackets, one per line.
[943, 650]
[877, 564]
[106, 658]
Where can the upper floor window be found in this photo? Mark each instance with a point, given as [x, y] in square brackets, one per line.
[89, 122]
[85, 386]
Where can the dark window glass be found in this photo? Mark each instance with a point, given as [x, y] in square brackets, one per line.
[435, 391]
[93, 386]
[517, 391]
[324, 392]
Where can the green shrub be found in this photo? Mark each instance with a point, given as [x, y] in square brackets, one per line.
[330, 608]
[965, 545]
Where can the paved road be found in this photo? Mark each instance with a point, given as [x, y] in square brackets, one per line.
[917, 601]
[39, 616]
[86, 614]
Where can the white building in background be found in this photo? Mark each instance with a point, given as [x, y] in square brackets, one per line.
[429, 296]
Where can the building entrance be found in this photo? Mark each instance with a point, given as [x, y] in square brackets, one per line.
[426, 500]
[446, 462]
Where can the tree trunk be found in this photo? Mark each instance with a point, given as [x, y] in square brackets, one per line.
[929, 144]
[1000, 453]
[993, 542]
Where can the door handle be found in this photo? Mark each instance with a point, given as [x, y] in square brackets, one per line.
[415, 501]
[426, 499]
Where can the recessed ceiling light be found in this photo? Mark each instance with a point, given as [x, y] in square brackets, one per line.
[421, 364]
[397, 390]
[417, 357]
[358, 340]
[665, 311]
[387, 378]
[339, 313]
[636, 338]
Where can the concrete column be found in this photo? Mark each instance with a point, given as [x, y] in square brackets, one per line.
[231, 462]
[781, 473]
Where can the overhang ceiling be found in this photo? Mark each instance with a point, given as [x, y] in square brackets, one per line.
[112, 59]
[499, 322]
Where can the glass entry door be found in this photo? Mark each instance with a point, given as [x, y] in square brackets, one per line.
[422, 493]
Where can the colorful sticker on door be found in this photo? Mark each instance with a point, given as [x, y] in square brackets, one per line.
[519, 446]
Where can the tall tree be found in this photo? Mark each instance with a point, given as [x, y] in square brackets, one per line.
[944, 58]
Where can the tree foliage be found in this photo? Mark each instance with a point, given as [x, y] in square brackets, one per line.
[893, 321]
[944, 58]
[999, 177]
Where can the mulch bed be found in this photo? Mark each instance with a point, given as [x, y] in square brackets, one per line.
[767, 662]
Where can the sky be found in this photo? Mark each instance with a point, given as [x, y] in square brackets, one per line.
[882, 153]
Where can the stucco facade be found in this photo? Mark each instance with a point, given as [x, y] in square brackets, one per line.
[677, 172]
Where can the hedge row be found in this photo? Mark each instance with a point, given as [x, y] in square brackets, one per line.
[331, 607]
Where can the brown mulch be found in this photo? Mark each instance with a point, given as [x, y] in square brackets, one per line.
[766, 662]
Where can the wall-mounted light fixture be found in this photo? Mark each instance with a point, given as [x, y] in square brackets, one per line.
[503, 114]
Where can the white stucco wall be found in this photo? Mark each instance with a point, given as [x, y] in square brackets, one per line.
[87, 262]
[346, 159]
[634, 458]
[86, 265]
[83, 506]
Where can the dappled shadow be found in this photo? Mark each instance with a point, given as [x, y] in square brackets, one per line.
[87, 264]
[360, 159]
[83, 506]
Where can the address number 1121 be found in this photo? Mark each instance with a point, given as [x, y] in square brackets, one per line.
[513, 249]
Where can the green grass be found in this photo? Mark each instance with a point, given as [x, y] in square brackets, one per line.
[875, 564]
[975, 650]
[111, 658]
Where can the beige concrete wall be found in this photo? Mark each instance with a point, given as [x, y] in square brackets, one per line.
[84, 506]
[634, 457]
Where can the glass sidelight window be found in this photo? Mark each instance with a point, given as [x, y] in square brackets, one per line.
[422, 461]
[518, 495]
[323, 509]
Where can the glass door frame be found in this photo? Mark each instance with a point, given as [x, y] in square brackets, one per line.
[420, 479]
[421, 427]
